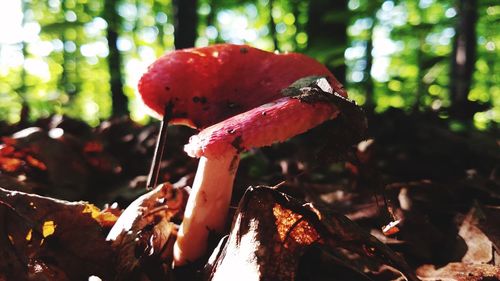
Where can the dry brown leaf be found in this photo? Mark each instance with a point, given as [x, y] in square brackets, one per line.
[144, 234]
[271, 233]
[48, 239]
[479, 247]
[459, 272]
[489, 224]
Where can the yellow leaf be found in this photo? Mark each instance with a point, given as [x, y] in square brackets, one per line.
[48, 228]
[92, 210]
[28, 236]
[107, 217]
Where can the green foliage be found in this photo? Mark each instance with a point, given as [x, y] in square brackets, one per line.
[398, 55]
[486, 83]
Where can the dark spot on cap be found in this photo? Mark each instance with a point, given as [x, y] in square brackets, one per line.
[196, 99]
[167, 88]
[243, 50]
[203, 100]
[182, 115]
[204, 196]
[232, 105]
[264, 113]
[236, 143]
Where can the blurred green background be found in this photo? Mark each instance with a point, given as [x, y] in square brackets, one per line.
[83, 58]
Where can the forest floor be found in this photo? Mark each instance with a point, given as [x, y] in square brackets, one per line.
[435, 180]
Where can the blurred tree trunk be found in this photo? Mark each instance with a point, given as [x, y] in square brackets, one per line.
[119, 100]
[299, 10]
[159, 7]
[186, 22]
[272, 26]
[464, 58]
[137, 24]
[211, 19]
[327, 32]
[69, 64]
[420, 91]
[295, 11]
[23, 89]
[369, 88]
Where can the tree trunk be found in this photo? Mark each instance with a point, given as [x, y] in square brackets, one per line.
[369, 88]
[210, 20]
[186, 21]
[159, 7]
[325, 36]
[464, 57]
[420, 91]
[272, 26]
[23, 89]
[69, 61]
[119, 100]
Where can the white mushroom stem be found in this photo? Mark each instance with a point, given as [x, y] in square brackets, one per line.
[207, 206]
[218, 147]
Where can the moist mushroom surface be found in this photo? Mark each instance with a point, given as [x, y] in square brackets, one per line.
[235, 94]
[207, 85]
[218, 148]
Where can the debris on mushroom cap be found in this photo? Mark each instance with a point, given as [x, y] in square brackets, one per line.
[262, 126]
[207, 85]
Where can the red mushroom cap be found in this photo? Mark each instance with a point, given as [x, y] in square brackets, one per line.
[262, 126]
[207, 85]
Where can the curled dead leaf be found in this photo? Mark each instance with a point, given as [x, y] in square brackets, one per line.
[271, 232]
[144, 234]
[49, 239]
[459, 272]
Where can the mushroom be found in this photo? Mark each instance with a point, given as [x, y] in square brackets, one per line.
[239, 89]
[218, 148]
[199, 87]
[204, 86]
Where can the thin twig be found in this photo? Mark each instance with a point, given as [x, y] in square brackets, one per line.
[160, 147]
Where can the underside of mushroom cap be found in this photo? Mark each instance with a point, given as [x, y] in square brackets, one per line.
[207, 85]
[262, 126]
